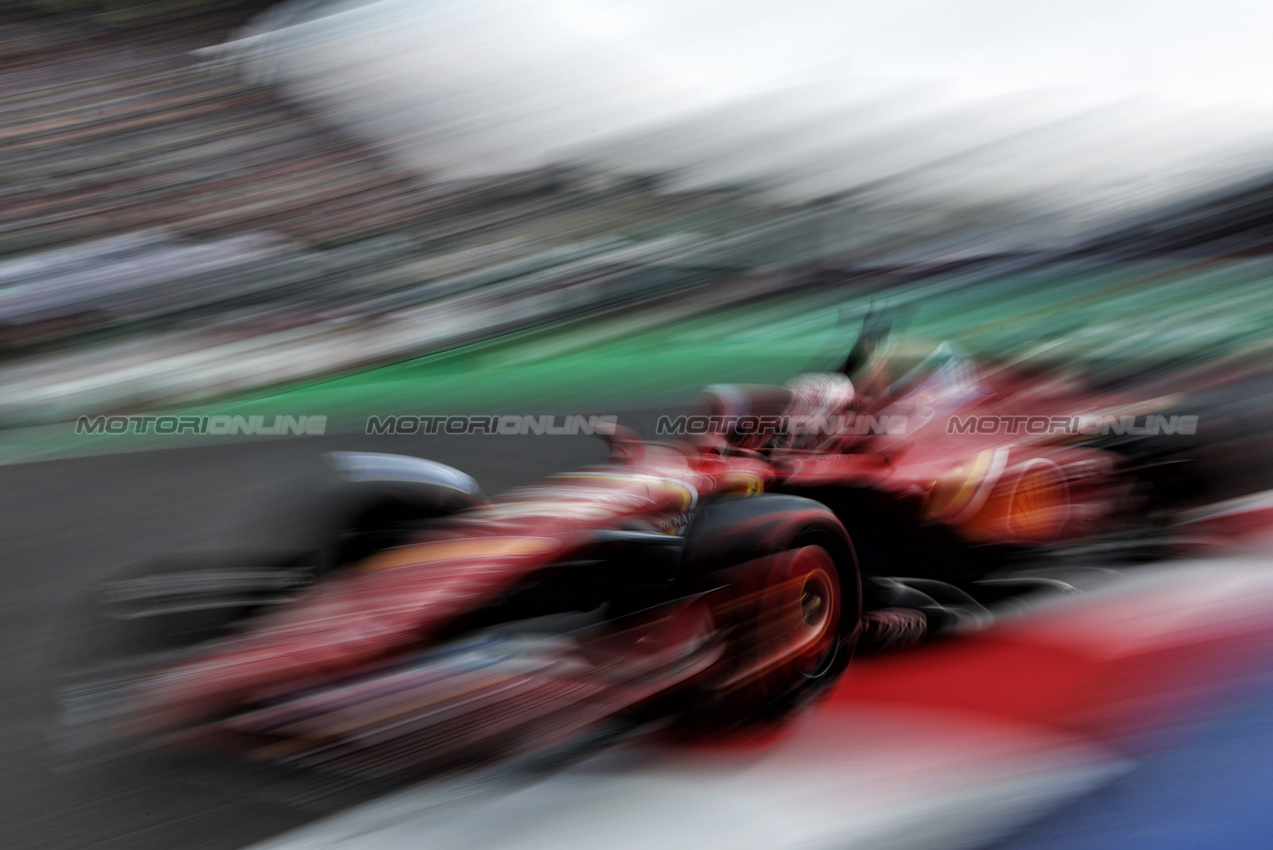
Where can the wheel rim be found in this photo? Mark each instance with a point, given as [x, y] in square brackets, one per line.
[813, 617]
[815, 602]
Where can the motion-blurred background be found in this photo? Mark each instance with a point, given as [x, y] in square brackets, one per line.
[430, 206]
[207, 200]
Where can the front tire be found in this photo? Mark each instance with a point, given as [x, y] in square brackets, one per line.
[782, 580]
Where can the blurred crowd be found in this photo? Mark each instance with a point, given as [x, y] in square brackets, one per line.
[151, 194]
[111, 131]
[172, 227]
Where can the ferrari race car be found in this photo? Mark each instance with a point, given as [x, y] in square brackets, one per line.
[721, 578]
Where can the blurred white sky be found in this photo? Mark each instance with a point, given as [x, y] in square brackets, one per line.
[981, 96]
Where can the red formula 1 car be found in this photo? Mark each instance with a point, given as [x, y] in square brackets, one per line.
[721, 579]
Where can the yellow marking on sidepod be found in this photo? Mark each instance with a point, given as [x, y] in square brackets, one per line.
[966, 490]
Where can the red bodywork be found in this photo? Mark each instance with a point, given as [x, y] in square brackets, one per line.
[336, 663]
